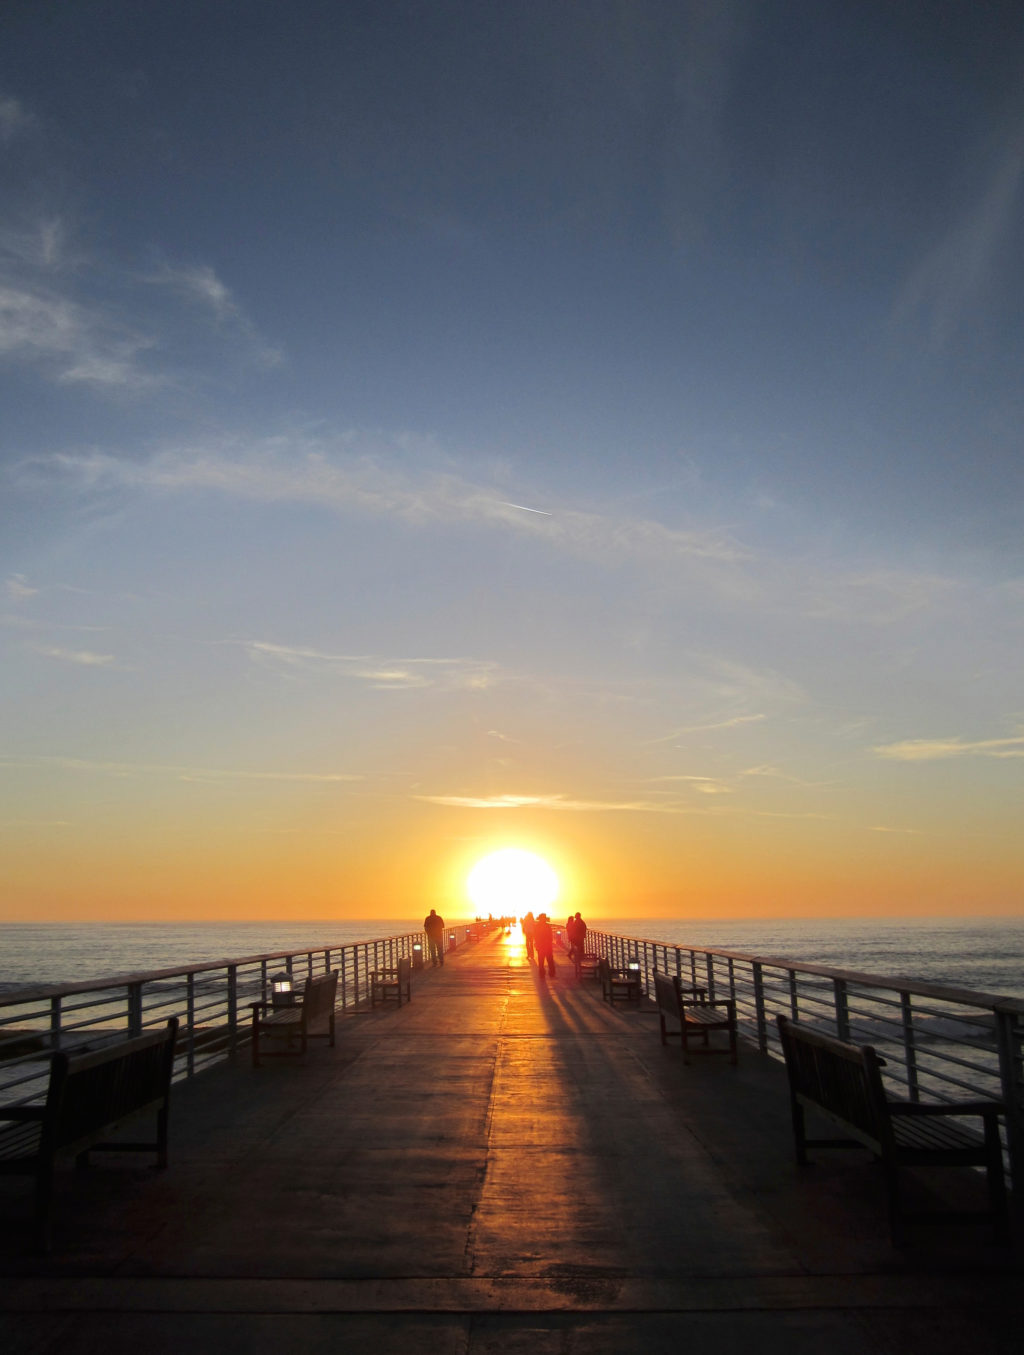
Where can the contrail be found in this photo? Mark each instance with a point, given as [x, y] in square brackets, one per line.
[523, 508]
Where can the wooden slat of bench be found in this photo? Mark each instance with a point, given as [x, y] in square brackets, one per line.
[20, 1142]
[700, 1015]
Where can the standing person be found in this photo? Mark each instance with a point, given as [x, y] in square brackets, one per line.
[529, 924]
[545, 941]
[577, 940]
[434, 928]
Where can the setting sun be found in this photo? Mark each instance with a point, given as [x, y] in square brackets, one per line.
[511, 882]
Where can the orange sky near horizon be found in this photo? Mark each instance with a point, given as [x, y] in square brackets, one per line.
[613, 864]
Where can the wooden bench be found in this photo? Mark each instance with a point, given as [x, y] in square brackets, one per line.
[90, 1094]
[843, 1084]
[311, 1018]
[395, 984]
[587, 965]
[618, 984]
[696, 1016]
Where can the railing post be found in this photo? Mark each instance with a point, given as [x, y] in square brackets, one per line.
[190, 1018]
[55, 1023]
[760, 1019]
[1008, 1043]
[710, 966]
[233, 1007]
[134, 1009]
[794, 996]
[910, 1046]
[842, 1006]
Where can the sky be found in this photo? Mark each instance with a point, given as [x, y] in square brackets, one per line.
[590, 428]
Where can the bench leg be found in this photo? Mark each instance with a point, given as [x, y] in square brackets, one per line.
[162, 1122]
[799, 1131]
[996, 1182]
[892, 1192]
[43, 1206]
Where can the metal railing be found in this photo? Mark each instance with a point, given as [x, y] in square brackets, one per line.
[211, 1000]
[939, 1043]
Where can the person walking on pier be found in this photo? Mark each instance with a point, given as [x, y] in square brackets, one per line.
[545, 943]
[434, 928]
[529, 927]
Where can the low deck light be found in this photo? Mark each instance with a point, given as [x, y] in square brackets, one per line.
[282, 992]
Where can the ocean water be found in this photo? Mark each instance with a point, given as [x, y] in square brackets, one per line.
[57, 952]
[983, 954]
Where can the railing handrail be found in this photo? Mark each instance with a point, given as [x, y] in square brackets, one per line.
[900, 983]
[36, 993]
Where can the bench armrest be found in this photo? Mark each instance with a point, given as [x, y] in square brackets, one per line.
[921, 1108]
[703, 1002]
[22, 1113]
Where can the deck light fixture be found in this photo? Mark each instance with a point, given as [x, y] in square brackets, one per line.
[282, 993]
[417, 955]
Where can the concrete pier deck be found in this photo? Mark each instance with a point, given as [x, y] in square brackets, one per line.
[503, 1164]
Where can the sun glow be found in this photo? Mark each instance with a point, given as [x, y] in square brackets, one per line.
[512, 882]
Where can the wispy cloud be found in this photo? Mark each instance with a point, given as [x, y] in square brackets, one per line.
[732, 723]
[561, 803]
[340, 476]
[931, 750]
[382, 673]
[15, 119]
[956, 276]
[83, 658]
[197, 282]
[18, 588]
[181, 773]
[80, 344]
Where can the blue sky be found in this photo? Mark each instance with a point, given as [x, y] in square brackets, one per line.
[593, 427]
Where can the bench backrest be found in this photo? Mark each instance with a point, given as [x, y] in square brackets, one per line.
[667, 994]
[90, 1091]
[842, 1079]
[319, 995]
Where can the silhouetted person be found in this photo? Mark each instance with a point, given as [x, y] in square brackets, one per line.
[576, 933]
[529, 925]
[434, 928]
[545, 943]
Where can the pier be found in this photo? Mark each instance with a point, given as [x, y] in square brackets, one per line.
[501, 1164]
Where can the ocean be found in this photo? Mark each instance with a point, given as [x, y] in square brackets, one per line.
[986, 954]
